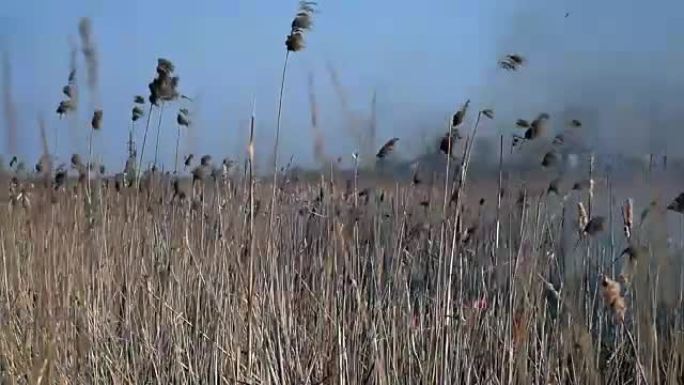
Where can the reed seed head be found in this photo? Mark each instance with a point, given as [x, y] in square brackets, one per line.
[76, 161]
[582, 217]
[550, 159]
[522, 123]
[205, 160]
[581, 185]
[301, 23]
[96, 121]
[558, 140]
[65, 106]
[554, 186]
[183, 120]
[459, 116]
[188, 160]
[136, 113]
[677, 205]
[512, 62]
[612, 297]
[595, 226]
[387, 148]
[488, 112]
[633, 254]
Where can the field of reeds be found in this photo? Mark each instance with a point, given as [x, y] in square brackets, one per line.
[453, 273]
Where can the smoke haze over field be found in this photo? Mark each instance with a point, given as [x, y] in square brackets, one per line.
[614, 65]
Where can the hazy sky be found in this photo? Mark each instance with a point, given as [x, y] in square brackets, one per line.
[423, 59]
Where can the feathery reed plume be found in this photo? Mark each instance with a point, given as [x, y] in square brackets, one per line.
[65, 106]
[554, 186]
[182, 119]
[613, 299]
[301, 23]
[96, 121]
[387, 148]
[575, 123]
[205, 160]
[85, 30]
[201, 173]
[226, 166]
[677, 205]
[582, 217]
[136, 113]
[595, 226]
[9, 108]
[512, 62]
[293, 43]
[634, 254]
[488, 112]
[416, 177]
[188, 160]
[76, 161]
[581, 185]
[522, 123]
[537, 127]
[164, 86]
[550, 159]
[60, 178]
[628, 217]
[448, 142]
[459, 116]
[558, 140]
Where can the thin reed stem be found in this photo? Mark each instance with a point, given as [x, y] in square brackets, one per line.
[156, 146]
[175, 163]
[142, 147]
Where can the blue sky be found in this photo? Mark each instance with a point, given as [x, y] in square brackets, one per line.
[422, 58]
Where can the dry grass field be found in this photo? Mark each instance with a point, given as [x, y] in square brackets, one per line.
[453, 272]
